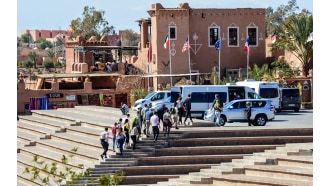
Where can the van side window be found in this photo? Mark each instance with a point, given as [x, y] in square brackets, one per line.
[252, 95]
[198, 97]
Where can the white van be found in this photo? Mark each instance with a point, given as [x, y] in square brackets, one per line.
[153, 97]
[202, 96]
[268, 90]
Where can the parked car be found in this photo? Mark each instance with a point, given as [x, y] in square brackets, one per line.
[153, 97]
[234, 111]
[167, 102]
[290, 99]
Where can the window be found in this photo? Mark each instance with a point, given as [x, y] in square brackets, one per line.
[252, 32]
[173, 32]
[268, 92]
[213, 35]
[222, 96]
[198, 97]
[233, 36]
[158, 96]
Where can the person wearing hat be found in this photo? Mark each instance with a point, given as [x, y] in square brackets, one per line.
[248, 112]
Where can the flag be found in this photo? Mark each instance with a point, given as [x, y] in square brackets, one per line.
[310, 37]
[247, 46]
[166, 42]
[186, 45]
[149, 53]
[217, 44]
[273, 38]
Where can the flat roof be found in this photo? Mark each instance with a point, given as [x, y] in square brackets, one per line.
[77, 75]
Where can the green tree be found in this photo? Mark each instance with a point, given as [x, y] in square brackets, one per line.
[130, 38]
[26, 38]
[33, 57]
[44, 43]
[282, 65]
[27, 64]
[93, 23]
[51, 54]
[48, 64]
[293, 37]
[275, 18]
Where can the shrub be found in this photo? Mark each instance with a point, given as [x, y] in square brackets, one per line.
[27, 64]
[48, 64]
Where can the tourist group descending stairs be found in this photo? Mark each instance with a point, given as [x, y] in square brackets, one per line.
[197, 154]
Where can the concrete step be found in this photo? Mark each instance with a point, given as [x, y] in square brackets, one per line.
[223, 132]
[223, 141]
[45, 121]
[213, 150]
[51, 155]
[241, 179]
[24, 179]
[146, 179]
[296, 161]
[279, 172]
[181, 160]
[28, 136]
[152, 170]
[38, 131]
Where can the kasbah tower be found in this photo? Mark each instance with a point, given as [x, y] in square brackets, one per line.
[203, 27]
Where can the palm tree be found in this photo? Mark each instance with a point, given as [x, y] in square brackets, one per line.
[33, 57]
[293, 38]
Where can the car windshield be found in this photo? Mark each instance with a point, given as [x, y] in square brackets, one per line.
[150, 95]
[228, 104]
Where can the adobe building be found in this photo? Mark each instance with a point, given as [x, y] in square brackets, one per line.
[203, 27]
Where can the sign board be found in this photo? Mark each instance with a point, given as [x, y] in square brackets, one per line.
[55, 95]
[70, 97]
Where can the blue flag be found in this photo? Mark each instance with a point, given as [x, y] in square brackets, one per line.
[217, 45]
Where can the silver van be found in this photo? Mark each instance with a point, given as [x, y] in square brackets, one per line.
[290, 99]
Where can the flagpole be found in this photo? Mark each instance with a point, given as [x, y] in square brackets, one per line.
[219, 61]
[247, 63]
[169, 51]
[189, 59]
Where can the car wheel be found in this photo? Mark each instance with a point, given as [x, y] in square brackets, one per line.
[260, 120]
[222, 120]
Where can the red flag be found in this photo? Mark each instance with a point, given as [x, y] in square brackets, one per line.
[149, 53]
[186, 45]
[166, 42]
[247, 46]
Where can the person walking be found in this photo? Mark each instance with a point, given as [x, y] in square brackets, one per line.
[248, 112]
[148, 115]
[160, 113]
[114, 134]
[121, 137]
[174, 114]
[104, 142]
[167, 124]
[124, 108]
[180, 109]
[126, 128]
[187, 105]
[154, 120]
[134, 132]
[217, 107]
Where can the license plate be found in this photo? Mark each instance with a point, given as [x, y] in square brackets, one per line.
[291, 105]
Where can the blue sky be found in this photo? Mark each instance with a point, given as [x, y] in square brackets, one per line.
[55, 15]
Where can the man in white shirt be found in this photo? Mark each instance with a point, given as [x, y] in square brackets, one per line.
[104, 142]
[154, 120]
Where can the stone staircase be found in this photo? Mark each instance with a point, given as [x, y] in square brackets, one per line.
[196, 154]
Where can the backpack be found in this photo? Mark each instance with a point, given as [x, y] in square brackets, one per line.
[172, 110]
[216, 105]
